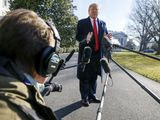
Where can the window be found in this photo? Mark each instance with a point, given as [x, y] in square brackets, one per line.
[5, 3]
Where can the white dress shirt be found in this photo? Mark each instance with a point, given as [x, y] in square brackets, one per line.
[91, 19]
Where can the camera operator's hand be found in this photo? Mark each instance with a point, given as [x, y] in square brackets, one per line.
[55, 87]
[89, 35]
[51, 87]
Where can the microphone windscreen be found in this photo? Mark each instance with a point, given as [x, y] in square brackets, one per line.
[86, 54]
[69, 56]
[104, 64]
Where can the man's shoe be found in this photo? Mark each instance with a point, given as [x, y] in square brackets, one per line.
[85, 103]
[94, 100]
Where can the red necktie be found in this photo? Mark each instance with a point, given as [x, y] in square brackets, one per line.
[95, 35]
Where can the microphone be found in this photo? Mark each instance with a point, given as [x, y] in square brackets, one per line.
[86, 57]
[62, 64]
[67, 59]
[104, 64]
[69, 56]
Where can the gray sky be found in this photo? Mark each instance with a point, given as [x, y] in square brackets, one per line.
[114, 12]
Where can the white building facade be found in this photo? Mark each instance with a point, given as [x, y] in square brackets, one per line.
[121, 36]
[4, 7]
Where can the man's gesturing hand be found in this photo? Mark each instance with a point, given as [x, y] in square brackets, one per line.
[89, 37]
[108, 36]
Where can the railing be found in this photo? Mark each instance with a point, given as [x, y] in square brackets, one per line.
[155, 58]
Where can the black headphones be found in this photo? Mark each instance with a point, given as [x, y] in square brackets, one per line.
[48, 62]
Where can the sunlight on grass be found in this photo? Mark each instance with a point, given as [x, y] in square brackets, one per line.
[143, 65]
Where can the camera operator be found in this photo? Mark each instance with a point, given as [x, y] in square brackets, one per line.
[27, 48]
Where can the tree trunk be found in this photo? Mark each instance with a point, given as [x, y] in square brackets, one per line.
[158, 50]
[141, 45]
[144, 46]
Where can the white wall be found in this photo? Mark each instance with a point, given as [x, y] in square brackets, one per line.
[4, 7]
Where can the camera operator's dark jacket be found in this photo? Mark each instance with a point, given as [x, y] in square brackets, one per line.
[19, 101]
[83, 28]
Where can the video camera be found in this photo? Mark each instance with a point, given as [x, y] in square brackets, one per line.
[53, 87]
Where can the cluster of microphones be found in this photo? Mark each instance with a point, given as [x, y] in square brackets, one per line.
[52, 87]
[86, 59]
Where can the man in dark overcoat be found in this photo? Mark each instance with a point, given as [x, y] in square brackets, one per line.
[90, 32]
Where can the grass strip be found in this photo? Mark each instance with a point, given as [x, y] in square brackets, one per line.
[145, 66]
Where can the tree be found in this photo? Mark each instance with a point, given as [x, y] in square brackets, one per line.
[130, 44]
[60, 11]
[140, 24]
[155, 46]
[155, 21]
[146, 22]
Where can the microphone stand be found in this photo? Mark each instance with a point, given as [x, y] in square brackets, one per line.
[99, 111]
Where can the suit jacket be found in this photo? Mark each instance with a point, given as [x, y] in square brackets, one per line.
[84, 26]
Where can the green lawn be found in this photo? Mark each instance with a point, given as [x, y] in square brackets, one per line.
[143, 65]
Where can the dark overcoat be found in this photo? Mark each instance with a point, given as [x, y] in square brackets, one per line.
[83, 28]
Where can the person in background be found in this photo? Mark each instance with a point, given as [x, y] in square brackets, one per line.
[90, 32]
[26, 44]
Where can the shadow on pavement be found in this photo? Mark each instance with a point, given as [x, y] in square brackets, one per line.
[68, 109]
